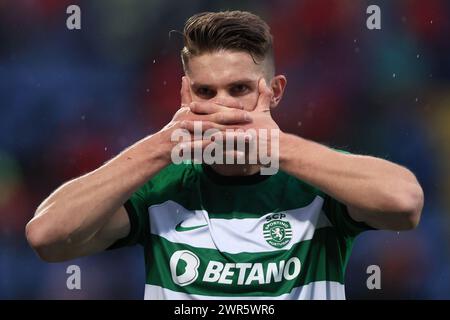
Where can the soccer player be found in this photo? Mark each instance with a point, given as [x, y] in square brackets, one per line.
[226, 230]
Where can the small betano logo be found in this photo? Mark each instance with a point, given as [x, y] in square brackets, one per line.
[184, 267]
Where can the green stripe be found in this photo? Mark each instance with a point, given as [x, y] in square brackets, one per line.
[322, 258]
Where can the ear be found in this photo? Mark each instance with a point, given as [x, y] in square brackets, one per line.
[278, 84]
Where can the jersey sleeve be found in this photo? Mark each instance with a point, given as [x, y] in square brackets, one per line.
[338, 215]
[166, 185]
[137, 209]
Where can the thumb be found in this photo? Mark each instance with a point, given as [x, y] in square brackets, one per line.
[265, 96]
[185, 91]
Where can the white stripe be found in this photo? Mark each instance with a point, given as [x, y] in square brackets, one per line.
[320, 290]
[232, 235]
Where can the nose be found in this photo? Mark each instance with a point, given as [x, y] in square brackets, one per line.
[225, 99]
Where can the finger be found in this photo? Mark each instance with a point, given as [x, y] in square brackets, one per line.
[191, 145]
[200, 126]
[192, 149]
[205, 107]
[235, 144]
[182, 113]
[228, 118]
[185, 92]
[265, 96]
[237, 135]
[233, 105]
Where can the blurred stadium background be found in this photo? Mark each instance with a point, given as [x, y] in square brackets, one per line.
[70, 100]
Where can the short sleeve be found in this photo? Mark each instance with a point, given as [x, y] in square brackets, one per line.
[338, 215]
[164, 186]
[337, 212]
[137, 210]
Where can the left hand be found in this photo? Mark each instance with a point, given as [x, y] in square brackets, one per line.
[261, 126]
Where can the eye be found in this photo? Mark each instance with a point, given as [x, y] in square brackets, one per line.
[239, 89]
[205, 93]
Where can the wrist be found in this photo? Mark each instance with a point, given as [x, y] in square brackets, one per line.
[148, 155]
[285, 148]
[158, 148]
[289, 146]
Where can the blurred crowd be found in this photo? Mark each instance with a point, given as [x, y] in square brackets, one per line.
[72, 99]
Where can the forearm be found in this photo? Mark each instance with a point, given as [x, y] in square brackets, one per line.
[363, 182]
[76, 211]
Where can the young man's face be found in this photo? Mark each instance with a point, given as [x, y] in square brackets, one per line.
[225, 77]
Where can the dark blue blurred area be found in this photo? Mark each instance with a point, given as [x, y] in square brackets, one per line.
[70, 100]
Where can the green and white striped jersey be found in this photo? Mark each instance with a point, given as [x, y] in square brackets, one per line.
[207, 236]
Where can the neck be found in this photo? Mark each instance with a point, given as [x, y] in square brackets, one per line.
[236, 169]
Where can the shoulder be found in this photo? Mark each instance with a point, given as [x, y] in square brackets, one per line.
[173, 179]
[297, 186]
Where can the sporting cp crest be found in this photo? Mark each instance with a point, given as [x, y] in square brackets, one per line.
[277, 233]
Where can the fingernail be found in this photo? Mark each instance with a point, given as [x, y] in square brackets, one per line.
[247, 117]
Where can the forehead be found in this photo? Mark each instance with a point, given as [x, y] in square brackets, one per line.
[223, 67]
